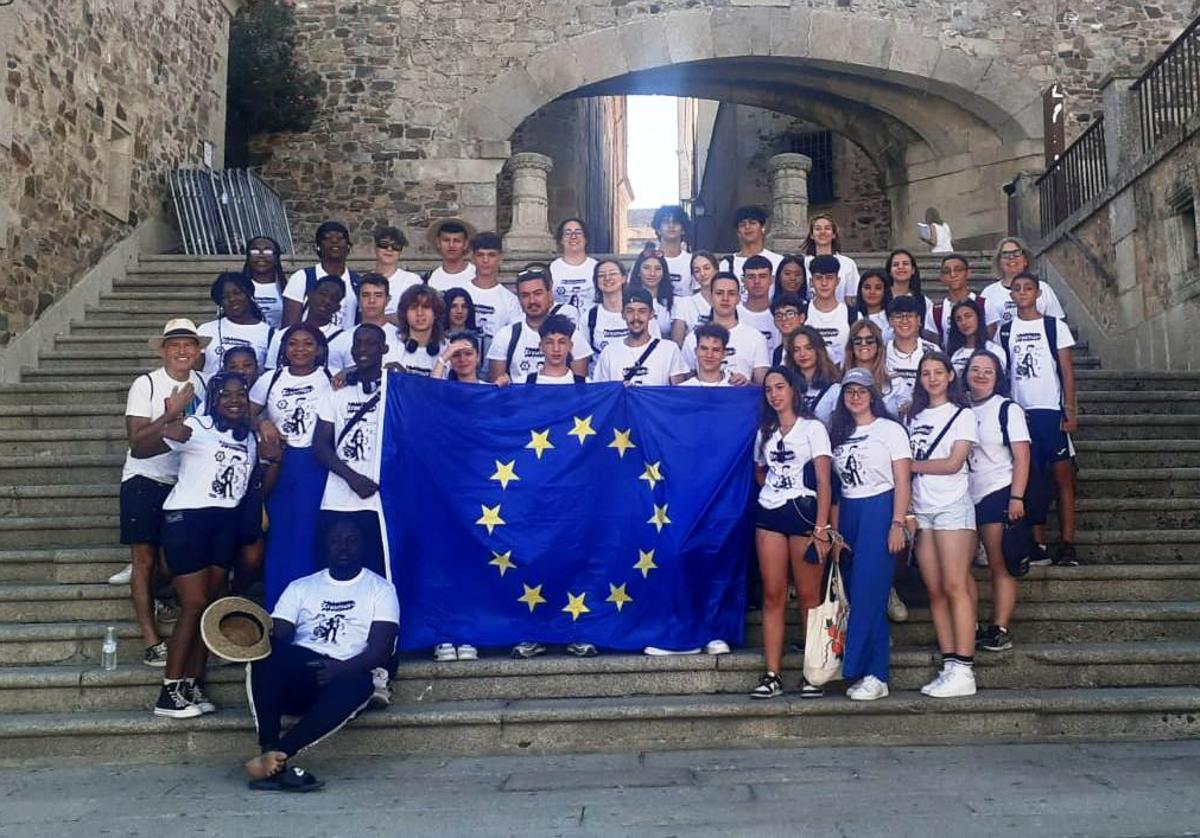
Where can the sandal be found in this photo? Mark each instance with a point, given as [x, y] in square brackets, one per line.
[290, 779]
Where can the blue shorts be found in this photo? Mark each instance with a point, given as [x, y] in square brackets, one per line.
[993, 509]
[197, 539]
[1049, 442]
[796, 517]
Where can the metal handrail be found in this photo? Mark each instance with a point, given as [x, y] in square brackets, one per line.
[1079, 174]
[218, 212]
[1169, 89]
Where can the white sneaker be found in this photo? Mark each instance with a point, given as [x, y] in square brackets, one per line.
[959, 681]
[655, 651]
[868, 689]
[381, 693]
[896, 609]
[467, 652]
[716, 647]
[981, 556]
[937, 679]
[444, 652]
[122, 577]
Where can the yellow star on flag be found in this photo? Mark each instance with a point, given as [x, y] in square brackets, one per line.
[652, 474]
[617, 595]
[505, 473]
[645, 563]
[532, 597]
[575, 606]
[490, 517]
[622, 442]
[502, 561]
[659, 518]
[539, 441]
[582, 429]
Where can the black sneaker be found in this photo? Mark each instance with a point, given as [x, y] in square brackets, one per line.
[770, 685]
[156, 655]
[808, 690]
[174, 703]
[1066, 555]
[1039, 557]
[995, 639]
[195, 694]
[980, 634]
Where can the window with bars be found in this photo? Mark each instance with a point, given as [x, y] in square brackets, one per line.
[819, 147]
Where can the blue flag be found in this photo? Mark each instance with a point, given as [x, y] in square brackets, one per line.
[586, 513]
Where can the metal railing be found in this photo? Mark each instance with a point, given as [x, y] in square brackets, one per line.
[1078, 175]
[1169, 90]
[219, 211]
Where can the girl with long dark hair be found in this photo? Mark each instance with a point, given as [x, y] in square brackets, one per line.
[791, 277]
[904, 276]
[968, 335]
[872, 298]
[239, 321]
[696, 310]
[264, 268]
[817, 374]
[652, 272]
[791, 515]
[825, 240]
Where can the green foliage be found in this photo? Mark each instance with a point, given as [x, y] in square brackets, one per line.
[267, 91]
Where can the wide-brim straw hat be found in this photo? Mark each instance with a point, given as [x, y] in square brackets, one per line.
[431, 235]
[236, 629]
[180, 327]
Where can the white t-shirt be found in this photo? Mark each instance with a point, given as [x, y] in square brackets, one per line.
[146, 400]
[290, 402]
[847, 278]
[297, 287]
[610, 327]
[723, 381]
[824, 406]
[569, 378]
[785, 457]
[214, 468]
[398, 283]
[656, 370]
[1034, 375]
[902, 367]
[441, 280]
[693, 311]
[962, 359]
[226, 334]
[1000, 298]
[340, 348]
[834, 326]
[681, 274]
[269, 301]
[864, 461]
[936, 492]
[527, 355]
[945, 244]
[417, 362]
[356, 449]
[764, 322]
[880, 319]
[331, 331]
[745, 352]
[333, 616]
[991, 315]
[735, 264]
[991, 461]
[495, 308]
[663, 317]
[573, 283]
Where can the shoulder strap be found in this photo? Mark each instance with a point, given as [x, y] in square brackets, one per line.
[512, 346]
[531, 378]
[641, 360]
[1005, 336]
[329, 338]
[362, 411]
[556, 309]
[310, 279]
[579, 379]
[593, 313]
[1051, 325]
[150, 379]
[851, 314]
[942, 434]
[274, 377]
[812, 404]
[425, 277]
[777, 356]
[1004, 406]
[938, 308]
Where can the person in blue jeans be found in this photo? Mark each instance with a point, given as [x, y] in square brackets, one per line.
[873, 461]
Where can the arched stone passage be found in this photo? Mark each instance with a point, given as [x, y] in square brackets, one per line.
[945, 127]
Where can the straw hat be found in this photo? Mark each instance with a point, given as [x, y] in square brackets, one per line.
[180, 327]
[435, 229]
[236, 629]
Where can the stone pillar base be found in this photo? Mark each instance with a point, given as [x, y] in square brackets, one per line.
[789, 202]
[530, 231]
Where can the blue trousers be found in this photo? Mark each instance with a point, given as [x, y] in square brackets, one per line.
[865, 523]
[292, 509]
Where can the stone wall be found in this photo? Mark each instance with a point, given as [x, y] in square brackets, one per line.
[102, 96]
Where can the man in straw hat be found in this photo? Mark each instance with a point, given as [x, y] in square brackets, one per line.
[329, 631]
[168, 394]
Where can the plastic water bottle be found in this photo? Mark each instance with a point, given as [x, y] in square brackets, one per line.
[108, 652]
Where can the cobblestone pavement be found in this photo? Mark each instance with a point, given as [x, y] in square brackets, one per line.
[1056, 790]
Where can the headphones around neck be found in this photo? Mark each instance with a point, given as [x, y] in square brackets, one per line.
[411, 346]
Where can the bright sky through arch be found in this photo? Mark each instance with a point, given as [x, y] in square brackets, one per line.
[653, 157]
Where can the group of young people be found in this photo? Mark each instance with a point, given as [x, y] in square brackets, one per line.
[266, 418]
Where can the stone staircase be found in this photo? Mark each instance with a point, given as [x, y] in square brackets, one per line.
[1109, 650]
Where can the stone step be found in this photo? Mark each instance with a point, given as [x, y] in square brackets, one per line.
[68, 641]
[67, 565]
[635, 723]
[151, 312]
[1136, 380]
[1138, 426]
[57, 500]
[1149, 453]
[1147, 545]
[64, 393]
[1139, 401]
[58, 531]
[86, 688]
[63, 441]
[1129, 483]
[103, 469]
[25, 417]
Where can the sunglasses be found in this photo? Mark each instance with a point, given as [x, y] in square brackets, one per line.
[388, 246]
[867, 341]
[254, 251]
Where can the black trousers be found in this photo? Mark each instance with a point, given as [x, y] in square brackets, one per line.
[284, 683]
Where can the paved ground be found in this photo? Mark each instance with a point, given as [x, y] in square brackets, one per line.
[1026, 790]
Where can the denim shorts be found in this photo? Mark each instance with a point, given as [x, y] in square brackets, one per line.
[958, 516]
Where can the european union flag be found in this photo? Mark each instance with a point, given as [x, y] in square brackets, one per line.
[585, 513]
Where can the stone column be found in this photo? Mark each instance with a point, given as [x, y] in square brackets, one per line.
[1122, 124]
[789, 201]
[530, 231]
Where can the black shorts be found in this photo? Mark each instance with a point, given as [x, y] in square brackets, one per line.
[993, 509]
[796, 517]
[250, 513]
[197, 539]
[141, 510]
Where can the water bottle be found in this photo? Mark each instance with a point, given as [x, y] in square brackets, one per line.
[108, 652]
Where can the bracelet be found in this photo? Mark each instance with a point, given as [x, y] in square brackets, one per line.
[897, 523]
[826, 527]
[1021, 498]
